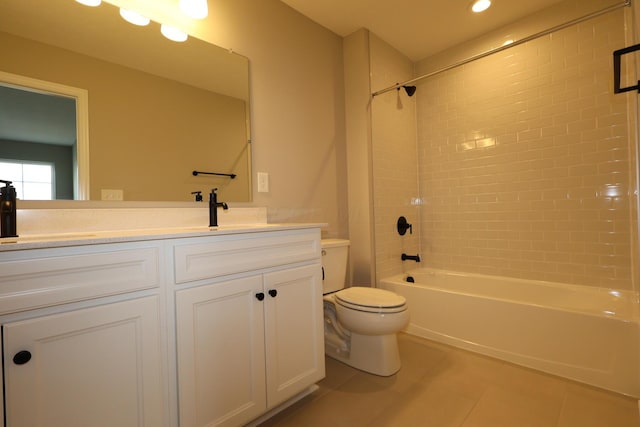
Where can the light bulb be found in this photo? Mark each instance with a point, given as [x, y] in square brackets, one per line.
[91, 3]
[196, 9]
[172, 33]
[481, 5]
[134, 17]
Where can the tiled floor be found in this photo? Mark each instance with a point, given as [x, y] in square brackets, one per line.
[443, 386]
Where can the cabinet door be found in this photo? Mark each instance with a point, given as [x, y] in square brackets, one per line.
[294, 331]
[99, 366]
[220, 337]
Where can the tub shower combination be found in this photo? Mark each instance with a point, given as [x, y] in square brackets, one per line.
[585, 334]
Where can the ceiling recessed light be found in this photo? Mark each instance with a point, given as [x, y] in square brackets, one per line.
[480, 5]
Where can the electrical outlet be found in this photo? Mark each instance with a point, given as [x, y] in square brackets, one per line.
[112, 194]
[263, 182]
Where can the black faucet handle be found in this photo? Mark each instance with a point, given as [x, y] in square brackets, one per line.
[402, 225]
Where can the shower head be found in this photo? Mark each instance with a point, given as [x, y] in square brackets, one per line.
[409, 89]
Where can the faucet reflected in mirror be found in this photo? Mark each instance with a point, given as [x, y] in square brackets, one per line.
[213, 207]
[197, 195]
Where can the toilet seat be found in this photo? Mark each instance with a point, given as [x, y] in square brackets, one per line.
[371, 300]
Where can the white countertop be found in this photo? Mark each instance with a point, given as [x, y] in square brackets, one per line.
[42, 241]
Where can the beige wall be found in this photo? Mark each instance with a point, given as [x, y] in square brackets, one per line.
[526, 169]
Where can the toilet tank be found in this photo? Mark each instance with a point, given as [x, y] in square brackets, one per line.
[335, 253]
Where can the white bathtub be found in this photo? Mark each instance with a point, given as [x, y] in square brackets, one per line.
[586, 334]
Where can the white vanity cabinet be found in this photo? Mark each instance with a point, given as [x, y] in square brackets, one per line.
[192, 328]
[249, 324]
[81, 336]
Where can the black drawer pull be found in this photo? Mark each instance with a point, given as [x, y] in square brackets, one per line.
[260, 296]
[273, 293]
[22, 357]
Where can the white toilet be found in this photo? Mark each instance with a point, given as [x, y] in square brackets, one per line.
[360, 322]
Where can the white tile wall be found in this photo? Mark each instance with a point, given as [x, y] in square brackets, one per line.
[525, 161]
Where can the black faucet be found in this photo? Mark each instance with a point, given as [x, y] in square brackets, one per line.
[213, 207]
[8, 210]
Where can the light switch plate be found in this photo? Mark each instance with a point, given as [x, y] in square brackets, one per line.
[112, 194]
[263, 182]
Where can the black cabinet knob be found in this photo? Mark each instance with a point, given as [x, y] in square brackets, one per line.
[273, 293]
[22, 357]
[260, 296]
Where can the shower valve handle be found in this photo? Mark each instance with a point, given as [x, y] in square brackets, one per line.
[402, 225]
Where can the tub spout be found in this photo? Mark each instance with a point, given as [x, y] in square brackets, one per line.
[415, 258]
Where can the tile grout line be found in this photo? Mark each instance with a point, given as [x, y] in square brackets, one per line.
[563, 407]
[475, 405]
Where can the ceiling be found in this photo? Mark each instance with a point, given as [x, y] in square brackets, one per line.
[417, 28]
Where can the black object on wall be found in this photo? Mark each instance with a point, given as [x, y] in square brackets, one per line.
[617, 58]
[230, 175]
[402, 225]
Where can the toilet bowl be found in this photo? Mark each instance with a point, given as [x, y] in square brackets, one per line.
[371, 311]
[361, 323]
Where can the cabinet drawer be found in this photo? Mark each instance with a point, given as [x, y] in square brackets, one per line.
[240, 253]
[46, 277]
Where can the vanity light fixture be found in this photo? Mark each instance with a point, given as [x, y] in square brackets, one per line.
[91, 3]
[480, 5]
[196, 9]
[134, 17]
[172, 33]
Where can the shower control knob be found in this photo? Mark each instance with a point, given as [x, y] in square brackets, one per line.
[22, 357]
[402, 226]
[260, 296]
[273, 293]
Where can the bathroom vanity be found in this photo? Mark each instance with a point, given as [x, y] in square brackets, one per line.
[185, 327]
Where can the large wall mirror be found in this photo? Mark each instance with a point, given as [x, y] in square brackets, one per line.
[156, 110]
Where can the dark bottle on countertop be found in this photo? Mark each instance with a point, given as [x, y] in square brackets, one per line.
[8, 226]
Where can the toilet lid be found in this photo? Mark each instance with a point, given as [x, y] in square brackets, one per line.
[370, 299]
